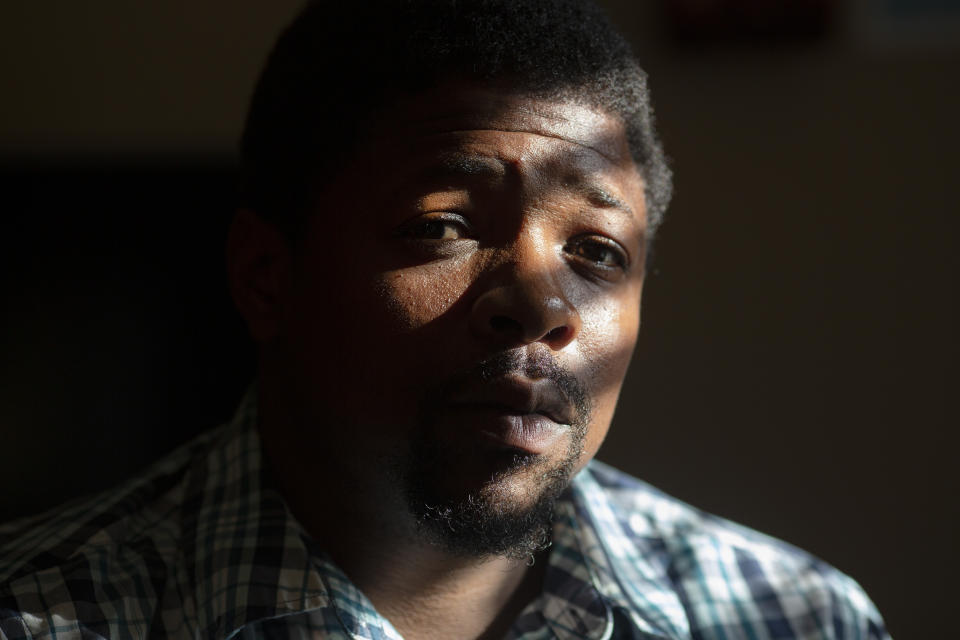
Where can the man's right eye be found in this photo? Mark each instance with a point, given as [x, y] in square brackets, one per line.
[447, 227]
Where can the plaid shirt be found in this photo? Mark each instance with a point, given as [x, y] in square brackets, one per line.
[200, 547]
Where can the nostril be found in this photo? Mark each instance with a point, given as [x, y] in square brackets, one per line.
[502, 324]
[557, 333]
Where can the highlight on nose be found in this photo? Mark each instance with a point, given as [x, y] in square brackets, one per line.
[512, 316]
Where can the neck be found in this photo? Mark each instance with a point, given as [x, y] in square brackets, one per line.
[366, 527]
[426, 593]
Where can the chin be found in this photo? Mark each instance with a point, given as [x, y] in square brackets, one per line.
[486, 503]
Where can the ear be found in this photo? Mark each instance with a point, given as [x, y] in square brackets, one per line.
[258, 270]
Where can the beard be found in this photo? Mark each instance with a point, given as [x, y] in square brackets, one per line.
[507, 508]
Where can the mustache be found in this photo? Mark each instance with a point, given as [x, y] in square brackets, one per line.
[537, 365]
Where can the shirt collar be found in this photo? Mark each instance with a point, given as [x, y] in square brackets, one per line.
[627, 568]
[570, 604]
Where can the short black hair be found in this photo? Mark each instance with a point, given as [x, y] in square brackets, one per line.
[338, 62]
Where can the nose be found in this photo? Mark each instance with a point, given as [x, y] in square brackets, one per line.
[527, 309]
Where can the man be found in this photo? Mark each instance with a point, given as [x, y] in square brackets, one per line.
[448, 209]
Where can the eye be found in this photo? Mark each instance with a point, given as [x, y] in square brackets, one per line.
[436, 227]
[602, 255]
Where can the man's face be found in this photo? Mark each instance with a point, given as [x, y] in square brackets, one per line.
[467, 297]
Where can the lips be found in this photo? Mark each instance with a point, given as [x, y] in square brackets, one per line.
[515, 412]
[518, 395]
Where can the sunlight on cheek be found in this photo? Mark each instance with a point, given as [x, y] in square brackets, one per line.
[416, 297]
[609, 335]
[609, 329]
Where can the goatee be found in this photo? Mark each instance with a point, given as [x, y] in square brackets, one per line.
[510, 511]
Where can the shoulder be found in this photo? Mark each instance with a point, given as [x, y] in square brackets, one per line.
[100, 558]
[725, 575]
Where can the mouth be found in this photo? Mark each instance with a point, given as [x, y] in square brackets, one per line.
[525, 416]
[527, 434]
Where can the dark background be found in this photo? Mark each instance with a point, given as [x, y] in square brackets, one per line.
[797, 364]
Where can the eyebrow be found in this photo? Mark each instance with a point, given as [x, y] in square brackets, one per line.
[598, 196]
[454, 165]
[458, 165]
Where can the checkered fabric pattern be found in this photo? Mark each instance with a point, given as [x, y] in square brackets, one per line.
[199, 546]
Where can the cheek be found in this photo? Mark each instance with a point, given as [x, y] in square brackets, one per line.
[376, 336]
[609, 337]
[415, 297]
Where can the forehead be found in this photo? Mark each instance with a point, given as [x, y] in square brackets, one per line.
[557, 138]
[466, 107]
